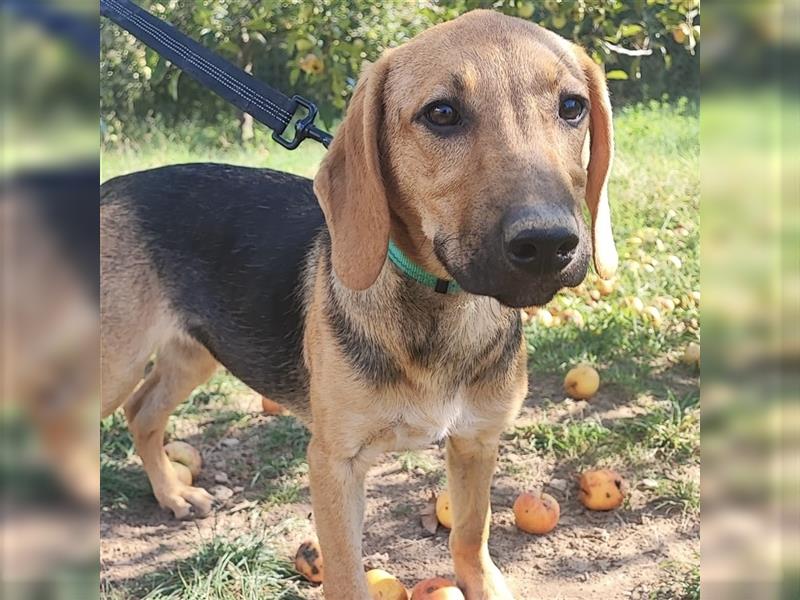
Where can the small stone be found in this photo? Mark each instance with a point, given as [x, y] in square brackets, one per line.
[238, 489]
[230, 442]
[649, 484]
[221, 477]
[221, 492]
[244, 504]
[558, 484]
[377, 560]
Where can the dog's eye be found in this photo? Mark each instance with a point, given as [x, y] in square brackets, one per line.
[442, 114]
[571, 109]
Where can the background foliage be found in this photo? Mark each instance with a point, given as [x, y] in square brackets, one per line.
[316, 47]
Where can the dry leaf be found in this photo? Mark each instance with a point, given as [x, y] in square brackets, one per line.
[270, 407]
[428, 515]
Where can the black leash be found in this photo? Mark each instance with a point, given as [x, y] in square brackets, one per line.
[265, 104]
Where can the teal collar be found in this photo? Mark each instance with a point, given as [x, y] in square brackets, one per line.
[418, 274]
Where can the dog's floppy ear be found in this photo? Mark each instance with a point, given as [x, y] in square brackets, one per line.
[601, 154]
[350, 188]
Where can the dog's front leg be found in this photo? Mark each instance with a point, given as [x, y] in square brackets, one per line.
[337, 495]
[470, 465]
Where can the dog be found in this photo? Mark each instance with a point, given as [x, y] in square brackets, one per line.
[450, 198]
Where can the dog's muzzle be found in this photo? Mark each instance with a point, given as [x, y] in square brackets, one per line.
[525, 259]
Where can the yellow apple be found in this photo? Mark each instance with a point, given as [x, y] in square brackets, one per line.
[582, 382]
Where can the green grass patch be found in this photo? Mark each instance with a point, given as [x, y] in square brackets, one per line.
[682, 582]
[679, 495]
[673, 431]
[667, 434]
[121, 481]
[571, 439]
[157, 148]
[412, 461]
[282, 452]
[116, 442]
[213, 393]
[245, 568]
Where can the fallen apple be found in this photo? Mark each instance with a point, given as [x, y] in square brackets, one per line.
[308, 561]
[385, 586]
[186, 454]
[182, 472]
[582, 382]
[601, 489]
[436, 588]
[270, 407]
[443, 512]
[691, 355]
[536, 513]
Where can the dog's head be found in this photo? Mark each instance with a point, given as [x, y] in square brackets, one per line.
[475, 145]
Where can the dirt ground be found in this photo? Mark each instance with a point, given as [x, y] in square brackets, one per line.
[627, 553]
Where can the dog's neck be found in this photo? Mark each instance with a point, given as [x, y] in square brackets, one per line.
[395, 293]
[416, 245]
[400, 330]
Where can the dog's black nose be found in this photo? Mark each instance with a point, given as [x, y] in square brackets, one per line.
[542, 250]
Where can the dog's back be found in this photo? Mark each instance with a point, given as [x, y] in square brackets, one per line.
[210, 253]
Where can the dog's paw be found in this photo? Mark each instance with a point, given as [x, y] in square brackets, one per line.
[186, 502]
[489, 585]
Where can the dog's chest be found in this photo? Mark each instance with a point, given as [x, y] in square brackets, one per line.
[412, 422]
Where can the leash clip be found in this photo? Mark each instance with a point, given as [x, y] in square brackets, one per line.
[304, 128]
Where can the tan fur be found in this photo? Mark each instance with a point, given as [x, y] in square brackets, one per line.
[182, 364]
[351, 427]
[517, 136]
[427, 191]
[135, 322]
[350, 186]
[601, 155]
[439, 372]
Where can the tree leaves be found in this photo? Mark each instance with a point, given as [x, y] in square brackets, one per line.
[343, 34]
[617, 75]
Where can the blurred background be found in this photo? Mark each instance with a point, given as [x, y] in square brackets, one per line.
[49, 380]
[750, 171]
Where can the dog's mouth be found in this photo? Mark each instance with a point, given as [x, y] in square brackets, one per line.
[484, 271]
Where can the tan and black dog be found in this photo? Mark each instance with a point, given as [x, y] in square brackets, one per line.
[466, 154]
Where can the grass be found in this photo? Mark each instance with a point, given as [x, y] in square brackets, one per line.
[682, 582]
[242, 568]
[121, 481]
[157, 149]
[415, 461]
[282, 453]
[217, 389]
[655, 202]
[670, 432]
[636, 331]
